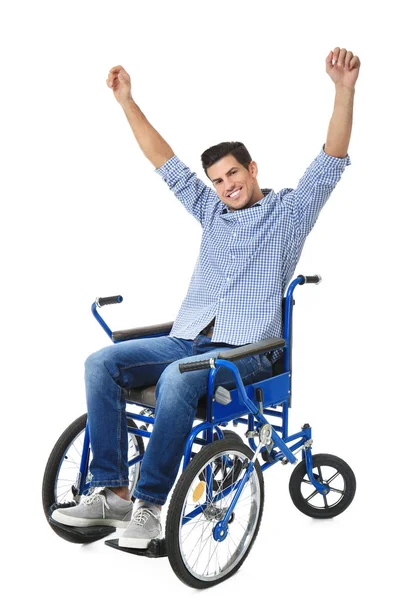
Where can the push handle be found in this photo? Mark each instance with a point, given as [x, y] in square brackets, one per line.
[195, 366]
[108, 300]
[309, 279]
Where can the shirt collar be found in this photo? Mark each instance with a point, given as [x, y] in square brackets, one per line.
[265, 191]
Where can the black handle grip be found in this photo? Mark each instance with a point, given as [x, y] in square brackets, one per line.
[195, 366]
[310, 279]
[108, 300]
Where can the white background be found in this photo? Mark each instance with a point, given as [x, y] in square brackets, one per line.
[84, 215]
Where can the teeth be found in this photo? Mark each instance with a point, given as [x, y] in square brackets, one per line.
[234, 194]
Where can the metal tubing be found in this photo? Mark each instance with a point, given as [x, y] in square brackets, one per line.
[141, 432]
[285, 421]
[273, 413]
[282, 446]
[320, 487]
[190, 441]
[296, 436]
[101, 321]
[143, 418]
[288, 321]
[252, 408]
[83, 469]
[135, 460]
[223, 523]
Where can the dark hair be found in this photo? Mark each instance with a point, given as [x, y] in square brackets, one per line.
[215, 153]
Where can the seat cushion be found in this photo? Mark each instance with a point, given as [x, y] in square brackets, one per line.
[146, 395]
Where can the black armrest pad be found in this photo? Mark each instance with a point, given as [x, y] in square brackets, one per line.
[256, 348]
[138, 332]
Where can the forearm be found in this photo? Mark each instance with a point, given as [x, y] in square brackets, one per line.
[339, 131]
[154, 147]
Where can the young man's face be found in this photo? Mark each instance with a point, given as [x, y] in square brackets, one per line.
[228, 176]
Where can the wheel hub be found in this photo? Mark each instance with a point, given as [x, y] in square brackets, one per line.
[214, 513]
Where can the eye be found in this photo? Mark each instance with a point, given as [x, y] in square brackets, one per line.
[219, 180]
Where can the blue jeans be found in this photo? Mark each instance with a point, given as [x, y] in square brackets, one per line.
[145, 362]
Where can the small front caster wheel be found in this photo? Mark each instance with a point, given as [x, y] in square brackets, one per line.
[331, 471]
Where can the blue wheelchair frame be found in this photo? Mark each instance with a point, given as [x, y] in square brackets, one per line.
[249, 405]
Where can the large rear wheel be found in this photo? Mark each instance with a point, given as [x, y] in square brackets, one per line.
[63, 466]
[197, 555]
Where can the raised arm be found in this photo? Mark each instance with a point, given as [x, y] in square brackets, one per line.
[322, 176]
[343, 68]
[154, 147]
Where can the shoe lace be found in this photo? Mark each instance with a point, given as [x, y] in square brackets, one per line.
[141, 516]
[96, 497]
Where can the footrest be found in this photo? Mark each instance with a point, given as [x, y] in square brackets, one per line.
[156, 548]
[80, 535]
[77, 535]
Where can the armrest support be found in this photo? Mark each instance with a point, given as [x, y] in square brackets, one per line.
[261, 347]
[139, 332]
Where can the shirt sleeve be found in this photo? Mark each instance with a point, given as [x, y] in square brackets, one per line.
[314, 189]
[196, 196]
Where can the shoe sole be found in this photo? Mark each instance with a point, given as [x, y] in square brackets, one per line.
[136, 543]
[81, 522]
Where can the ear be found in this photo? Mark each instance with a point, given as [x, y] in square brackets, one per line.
[253, 168]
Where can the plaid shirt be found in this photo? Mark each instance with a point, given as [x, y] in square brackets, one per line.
[247, 257]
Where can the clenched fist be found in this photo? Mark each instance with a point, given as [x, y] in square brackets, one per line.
[120, 82]
[343, 67]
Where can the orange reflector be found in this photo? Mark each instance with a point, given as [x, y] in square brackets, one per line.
[199, 491]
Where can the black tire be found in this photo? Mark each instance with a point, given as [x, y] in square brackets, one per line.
[210, 513]
[332, 470]
[229, 435]
[70, 442]
[221, 468]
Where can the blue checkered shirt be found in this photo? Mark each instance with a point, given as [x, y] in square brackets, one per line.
[247, 257]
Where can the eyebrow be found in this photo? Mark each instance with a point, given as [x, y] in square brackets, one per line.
[227, 173]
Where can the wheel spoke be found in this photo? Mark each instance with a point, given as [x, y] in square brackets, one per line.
[338, 481]
[312, 495]
[333, 477]
[202, 555]
[70, 462]
[214, 551]
[205, 526]
[335, 490]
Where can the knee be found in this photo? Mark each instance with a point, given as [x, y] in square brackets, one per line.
[168, 379]
[100, 363]
[173, 387]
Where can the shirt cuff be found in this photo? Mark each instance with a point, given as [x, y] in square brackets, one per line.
[173, 166]
[333, 161]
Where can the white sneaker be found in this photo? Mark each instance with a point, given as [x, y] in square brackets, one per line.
[144, 527]
[99, 508]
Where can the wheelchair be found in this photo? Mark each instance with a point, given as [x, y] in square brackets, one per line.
[216, 506]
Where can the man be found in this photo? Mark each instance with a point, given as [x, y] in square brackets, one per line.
[252, 241]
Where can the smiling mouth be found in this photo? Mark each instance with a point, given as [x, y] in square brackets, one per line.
[235, 194]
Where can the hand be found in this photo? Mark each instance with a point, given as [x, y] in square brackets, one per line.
[345, 69]
[120, 82]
